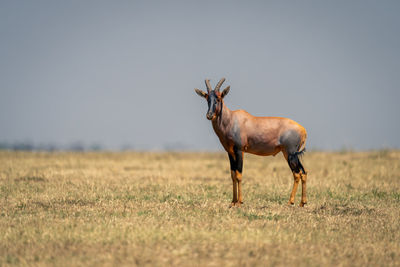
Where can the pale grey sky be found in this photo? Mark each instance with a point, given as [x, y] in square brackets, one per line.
[123, 72]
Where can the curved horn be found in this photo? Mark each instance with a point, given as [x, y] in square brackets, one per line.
[219, 84]
[209, 88]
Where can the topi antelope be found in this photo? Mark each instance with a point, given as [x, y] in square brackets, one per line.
[241, 132]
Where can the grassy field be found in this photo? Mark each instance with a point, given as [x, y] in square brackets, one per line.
[172, 209]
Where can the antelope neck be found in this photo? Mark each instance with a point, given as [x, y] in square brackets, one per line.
[222, 120]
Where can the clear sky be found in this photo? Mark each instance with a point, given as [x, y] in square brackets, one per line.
[122, 73]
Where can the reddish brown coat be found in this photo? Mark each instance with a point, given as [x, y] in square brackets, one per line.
[239, 132]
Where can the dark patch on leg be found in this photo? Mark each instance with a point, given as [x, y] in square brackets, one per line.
[232, 162]
[238, 159]
[294, 162]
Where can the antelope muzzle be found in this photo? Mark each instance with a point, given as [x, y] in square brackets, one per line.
[211, 112]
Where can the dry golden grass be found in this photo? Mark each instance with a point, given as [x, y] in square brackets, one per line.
[172, 209]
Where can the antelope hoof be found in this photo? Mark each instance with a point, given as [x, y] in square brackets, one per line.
[302, 204]
[235, 204]
[290, 203]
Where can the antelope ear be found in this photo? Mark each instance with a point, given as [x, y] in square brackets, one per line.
[225, 91]
[200, 93]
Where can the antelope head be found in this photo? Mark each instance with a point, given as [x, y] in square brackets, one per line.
[214, 98]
